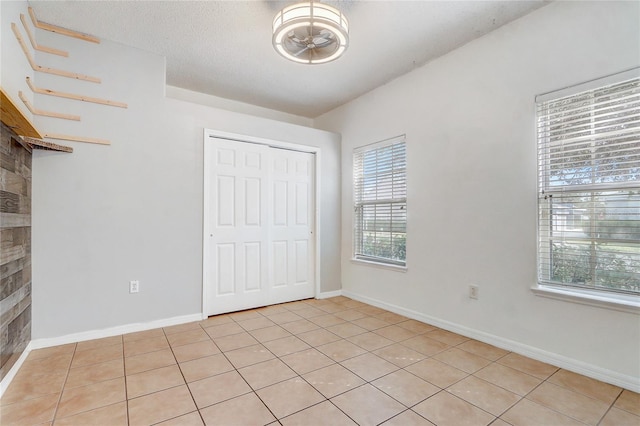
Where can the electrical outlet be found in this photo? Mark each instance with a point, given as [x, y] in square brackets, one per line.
[134, 286]
[473, 291]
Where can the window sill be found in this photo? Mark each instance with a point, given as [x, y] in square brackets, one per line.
[396, 268]
[618, 302]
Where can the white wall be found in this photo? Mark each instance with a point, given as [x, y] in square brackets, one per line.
[105, 215]
[469, 118]
[14, 66]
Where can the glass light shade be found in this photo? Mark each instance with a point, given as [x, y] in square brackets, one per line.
[310, 33]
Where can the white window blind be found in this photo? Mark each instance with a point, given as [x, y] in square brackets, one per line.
[589, 188]
[380, 202]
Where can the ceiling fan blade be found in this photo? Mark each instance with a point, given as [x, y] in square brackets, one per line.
[300, 52]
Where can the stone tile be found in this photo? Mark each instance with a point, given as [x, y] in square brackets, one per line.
[201, 368]
[300, 326]
[52, 364]
[341, 350]
[24, 387]
[629, 401]
[285, 317]
[405, 387]
[243, 410]
[245, 315]
[85, 398]
[324, 413]
[572, 404]
[484, 395]
[160, 406]
[222, 330]
[417, 327]
[139, 347]
[527, 365]
[112, 415]
[399, 355]
[617, 417]
[286, 346]
[272, 310]
[586, 386]
[369, 366]
[235, 341]
[191, 419]
[149, 361]
[266, 373]
[308, 360]
[350, 315]
[195, 350]
[216, 320]
[310, 312]
[52, 351]
[395, 333]
[269, 333]
[95, 373]
[98, 343]
[367, 405]
[346, 329]
[249, 355]
[371, 323]
[186, 337]
[256, 323]
[290, 396]
[32, 411]
[143, 335]
[444, 409]
[444, 336]
[462, 360]
[392, 318]
[180, 328]
[528, 413]
[370, 341]
[436, 372]
[333, 380]
[327, 320]
[425, 345]
[332, 308]
[318, 337]
[508, 378]
[482, 349]
[153, 381]
[407, 418]
[218, 388]
[97, 355]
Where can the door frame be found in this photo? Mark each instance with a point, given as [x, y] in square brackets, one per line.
[208, 167]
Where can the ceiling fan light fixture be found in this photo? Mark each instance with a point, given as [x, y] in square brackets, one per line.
[310, 33]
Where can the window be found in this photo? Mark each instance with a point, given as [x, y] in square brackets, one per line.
[380, 202]
[589, 186]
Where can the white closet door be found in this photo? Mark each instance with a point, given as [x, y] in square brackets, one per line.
[291, 254]
[261, 242]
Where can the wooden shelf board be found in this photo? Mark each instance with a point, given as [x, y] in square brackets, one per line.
[13, 117]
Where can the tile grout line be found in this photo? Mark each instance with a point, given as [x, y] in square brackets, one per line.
[55, 412]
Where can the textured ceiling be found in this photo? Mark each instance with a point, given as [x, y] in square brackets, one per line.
[223, 48]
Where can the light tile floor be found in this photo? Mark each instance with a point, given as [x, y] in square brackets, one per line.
[313, 362]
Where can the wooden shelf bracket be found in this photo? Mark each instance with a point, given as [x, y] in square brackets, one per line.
[74, 96]
[60, 30]
[35, 111]
[35, 45]
[48, 70]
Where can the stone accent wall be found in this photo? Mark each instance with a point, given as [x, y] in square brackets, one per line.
[15, 253]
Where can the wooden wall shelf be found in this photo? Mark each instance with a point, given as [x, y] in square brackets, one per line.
[13, 118]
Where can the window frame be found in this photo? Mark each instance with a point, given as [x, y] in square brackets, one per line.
[628, 301]
[358, 205]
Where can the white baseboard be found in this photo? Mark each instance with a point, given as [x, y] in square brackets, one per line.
[4, 384]
[328, 294]
[625, 381]
[112, 331]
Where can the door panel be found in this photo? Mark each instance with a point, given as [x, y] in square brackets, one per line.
[260, 242]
